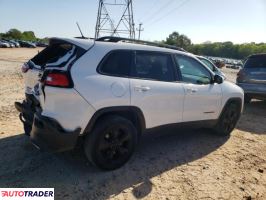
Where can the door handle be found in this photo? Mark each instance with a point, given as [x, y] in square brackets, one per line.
[142, 88]
[192, 90]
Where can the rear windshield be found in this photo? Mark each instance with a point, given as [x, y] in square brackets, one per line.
[256, 62]
[56, 55]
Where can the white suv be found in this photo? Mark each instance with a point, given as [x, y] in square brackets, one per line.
[112, 90]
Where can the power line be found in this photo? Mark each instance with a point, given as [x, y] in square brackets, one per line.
[149, 11]
[168, 13]
[168, 3]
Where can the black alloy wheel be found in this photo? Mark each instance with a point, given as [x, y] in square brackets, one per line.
[111, 143]
[228, 119]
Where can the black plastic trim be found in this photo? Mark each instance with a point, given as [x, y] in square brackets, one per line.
[233, 99]
[142, 42]
[116, 110]
[185, 125]
[49, 135]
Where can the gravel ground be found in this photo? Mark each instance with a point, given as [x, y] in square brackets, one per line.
[172, 164]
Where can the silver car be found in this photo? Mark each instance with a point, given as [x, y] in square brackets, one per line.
[252, 78]
[211, 66]
[4, 44]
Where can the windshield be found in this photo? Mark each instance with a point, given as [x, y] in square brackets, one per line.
[256, 62]
[207, 63]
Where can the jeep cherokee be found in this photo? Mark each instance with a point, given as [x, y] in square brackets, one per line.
[111, 91]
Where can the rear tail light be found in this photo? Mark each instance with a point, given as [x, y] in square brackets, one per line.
[57, 79]
[25, 67]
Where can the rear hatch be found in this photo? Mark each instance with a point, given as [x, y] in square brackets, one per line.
[254, 71]
[60, 54]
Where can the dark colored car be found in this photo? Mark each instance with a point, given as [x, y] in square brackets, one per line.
[16, 44]
[27, 44]
[41, 44]
[252, 78]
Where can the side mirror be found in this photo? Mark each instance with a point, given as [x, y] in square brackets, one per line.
[218, 79]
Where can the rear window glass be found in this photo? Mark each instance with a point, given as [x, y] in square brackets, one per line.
[256, 62]
[117, 63]
[55, 55]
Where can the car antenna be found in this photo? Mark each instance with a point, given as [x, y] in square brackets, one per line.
[82, 36]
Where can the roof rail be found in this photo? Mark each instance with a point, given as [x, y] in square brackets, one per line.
[119, 39]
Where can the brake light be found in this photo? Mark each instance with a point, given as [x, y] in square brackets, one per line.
[24, 68]
[58, 79]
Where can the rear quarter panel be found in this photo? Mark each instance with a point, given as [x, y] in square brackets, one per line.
[67, 107]
[99, 90]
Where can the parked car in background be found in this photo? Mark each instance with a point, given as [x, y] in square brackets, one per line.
[4, 44]
[252, 78]
[16, 44]
[11, 44]
[41, 44]
[26, 44]
[211, 66]
[219, 63]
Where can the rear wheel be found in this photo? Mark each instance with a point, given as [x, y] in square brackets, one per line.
[27, 129]
[228, 119]
[111, 143]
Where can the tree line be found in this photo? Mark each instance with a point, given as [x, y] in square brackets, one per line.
[18, 35]
[216, 49]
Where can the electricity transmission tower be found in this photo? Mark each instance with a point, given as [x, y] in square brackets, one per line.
[115, 18]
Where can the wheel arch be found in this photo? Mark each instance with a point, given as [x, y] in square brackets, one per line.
[132, 113]
[236, 100]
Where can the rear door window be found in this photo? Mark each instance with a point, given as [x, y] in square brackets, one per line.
[256, 62]
[154, 66]
[56, 55]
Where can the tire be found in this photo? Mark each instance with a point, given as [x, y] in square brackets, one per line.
[27, 129]
[228, 119]
[111, 143]
[247, 99]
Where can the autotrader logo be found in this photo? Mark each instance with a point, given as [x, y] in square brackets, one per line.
[27, 193]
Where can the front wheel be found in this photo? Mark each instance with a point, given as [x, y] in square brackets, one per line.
[111, 143]
[228, 119]
[247, 99]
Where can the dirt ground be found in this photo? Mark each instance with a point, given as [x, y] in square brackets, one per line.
[173, 164]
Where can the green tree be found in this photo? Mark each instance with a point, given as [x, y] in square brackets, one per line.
[13, 33]
[28, 35]
[178, 40]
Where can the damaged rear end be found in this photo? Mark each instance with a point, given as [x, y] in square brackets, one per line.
[50, 71]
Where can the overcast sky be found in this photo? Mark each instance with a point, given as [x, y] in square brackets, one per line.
[238, 21]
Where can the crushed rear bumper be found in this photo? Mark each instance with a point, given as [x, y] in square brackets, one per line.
[45, 133]
[48, 134]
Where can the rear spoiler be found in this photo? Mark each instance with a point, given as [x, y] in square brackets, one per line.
[85, 44]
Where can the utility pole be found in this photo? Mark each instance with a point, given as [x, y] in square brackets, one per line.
[140, 29]
[108, 15]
